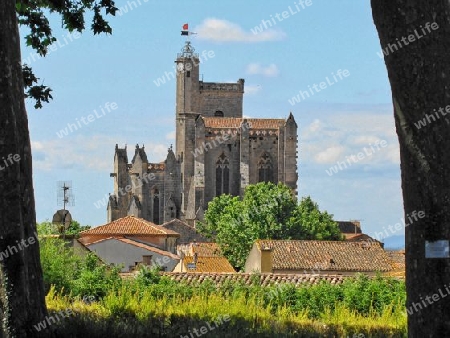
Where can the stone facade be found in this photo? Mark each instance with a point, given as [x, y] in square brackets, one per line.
[217, 151]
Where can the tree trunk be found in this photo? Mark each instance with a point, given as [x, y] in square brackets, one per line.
[22, 298]
[419, 74]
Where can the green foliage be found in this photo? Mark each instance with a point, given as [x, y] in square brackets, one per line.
[168, 309]
[95, 278]
[31, 14]
[71, 272]
[267, 211]
[60, 266]
[154, 304]
[75, 228]
[48, 228]
[148, 276]
[316, 225]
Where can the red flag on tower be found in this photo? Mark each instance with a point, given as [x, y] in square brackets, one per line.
[185, 30]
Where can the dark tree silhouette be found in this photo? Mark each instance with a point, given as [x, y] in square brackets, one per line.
[417, 37]
[22, 298]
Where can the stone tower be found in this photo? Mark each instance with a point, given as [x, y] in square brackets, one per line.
[217, 151]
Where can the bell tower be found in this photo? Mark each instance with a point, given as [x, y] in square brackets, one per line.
[187, 103]
[187, 66]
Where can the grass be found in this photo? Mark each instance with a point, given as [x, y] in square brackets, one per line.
[141, 313]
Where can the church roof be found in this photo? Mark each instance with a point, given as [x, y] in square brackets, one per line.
[128, 225]
[235, 122]
[141, 153]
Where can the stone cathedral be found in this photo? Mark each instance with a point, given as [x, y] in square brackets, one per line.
[217, 151]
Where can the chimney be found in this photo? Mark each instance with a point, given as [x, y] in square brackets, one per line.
[266, 260]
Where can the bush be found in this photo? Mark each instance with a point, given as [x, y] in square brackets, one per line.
[60, 266]
[95, 278]
[74, 274]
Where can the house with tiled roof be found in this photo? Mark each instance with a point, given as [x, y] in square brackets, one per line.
[130, 241]
[129, 254]
[317, 257]
[187, 233]
[202, 257]
[134, 228]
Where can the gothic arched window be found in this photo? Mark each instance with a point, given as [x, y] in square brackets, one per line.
[218, 113]
[265, 170]
[155, 197]
[222, 175]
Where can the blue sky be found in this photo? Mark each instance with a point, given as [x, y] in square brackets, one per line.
[305, 46]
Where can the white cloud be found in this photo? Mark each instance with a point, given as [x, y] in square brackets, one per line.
[257, 69]
[252, 89]
[93, 153]
[311, 131]
[331, 139]
[171, 135]
[219, 30]
[330, 154]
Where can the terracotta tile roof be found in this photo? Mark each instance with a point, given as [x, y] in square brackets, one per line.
[266, 123]
[398, 263]
[360, 237]
[129, 225]
[398, 258]
[208, 264]
[139, 245]
[204, 249]
[209, 257]
[327, 255]
[248, 278]
[207, 249]
[235, 122]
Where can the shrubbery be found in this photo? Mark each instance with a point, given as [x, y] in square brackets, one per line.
[154, 305]
[75, 274]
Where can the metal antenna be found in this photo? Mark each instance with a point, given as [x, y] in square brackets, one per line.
[64, 194]
[63, 218]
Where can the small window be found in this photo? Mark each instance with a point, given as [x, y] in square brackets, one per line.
[218, 113]
[222, 175]
[265, 169]
[188, 73]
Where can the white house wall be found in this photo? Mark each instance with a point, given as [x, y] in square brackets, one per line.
[113, 251]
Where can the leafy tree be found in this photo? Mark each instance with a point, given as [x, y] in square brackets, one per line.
[75, 228]
[71, 272]
[95, 278]
[418, 73]
[48, 228]
[31, 14]
[315, 224]
[60, 265]
[266, 211]
[22, 297]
